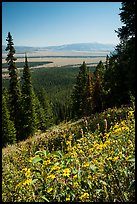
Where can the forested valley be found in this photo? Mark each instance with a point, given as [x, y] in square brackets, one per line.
[71, 126]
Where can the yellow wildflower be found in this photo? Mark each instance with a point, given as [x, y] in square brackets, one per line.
[55, 167]
[109, 158]
[28, 173]
[68, 198]
[85, 165]
[120, 153]
[51, 176]
[18, 185]
[49, 190]
[80, 151]
[130, 113]
[75, 176]
[45, 163]
[84, 196]
[27, 182]
[116, 158]
[91, 149]
[75, 185]
[131, 145]
[24, 169]
[68, 143]
[128, 157]
[89, 177]
[66, 172]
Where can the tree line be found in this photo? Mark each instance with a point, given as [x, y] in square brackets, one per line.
[111, 84]
[22, 112]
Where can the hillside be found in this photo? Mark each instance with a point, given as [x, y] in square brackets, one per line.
[91, 159]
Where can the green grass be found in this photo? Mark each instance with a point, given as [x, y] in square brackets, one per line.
[70, 162]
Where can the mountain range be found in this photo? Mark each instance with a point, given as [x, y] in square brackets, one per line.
[89, 47]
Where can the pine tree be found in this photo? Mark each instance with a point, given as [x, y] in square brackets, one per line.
[98, 87]
[79, 95]
[14, 87]
[89, 96]
[8, 129]
[29, 116]
[120, 75]
[46, 110]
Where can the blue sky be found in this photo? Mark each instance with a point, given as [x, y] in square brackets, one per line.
[58, 23]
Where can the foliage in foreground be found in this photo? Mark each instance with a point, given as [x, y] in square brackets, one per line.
[76, 163]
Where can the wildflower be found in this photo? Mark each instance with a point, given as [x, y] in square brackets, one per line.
[131, 145]
[109, 158]
[70, 137]
[55, 167]
[68, 198]
[107, 134]
[27, 182]
[116, 158]
[51, 176]
[128, 157]
[45, 163]
[75, 185]
[129, 141]
[84, 196]
[130, 113]
[91, 149]
[66, 172]
[108, 115]
[24, 169]
[28, 173]
[85, 165]
[89, 177]
[80, 151]
[120, 153]
[75, 176]
[49, 190]
[18, 185]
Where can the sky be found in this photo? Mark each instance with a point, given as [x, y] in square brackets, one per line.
[57, 23]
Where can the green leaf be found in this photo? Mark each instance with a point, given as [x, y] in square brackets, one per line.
[58, 153]
[132, 159]
[44, 198]
[93, 167]
[34, 181]
[89, 183]
[44, 152]
[132, 185]
[36, 160]
[98, 191]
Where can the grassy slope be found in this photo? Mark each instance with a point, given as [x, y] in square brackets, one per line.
[16, 157]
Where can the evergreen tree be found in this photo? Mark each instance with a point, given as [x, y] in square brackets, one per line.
[8, 129]
[29, 116]
[79, 95]
[127, 17]
[14, 87]
[98, 87]
[47, 110]
[89, 96]
[120, 75]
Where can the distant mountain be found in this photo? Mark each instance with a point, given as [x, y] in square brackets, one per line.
[83, 47]
[91, 47]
